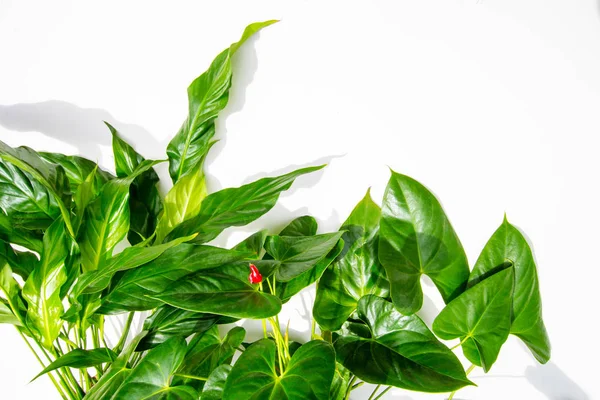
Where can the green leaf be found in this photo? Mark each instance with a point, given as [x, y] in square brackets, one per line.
[401, 351]
[301, 226]
[308, 375]
[86, 192]
[357, 271]
[480, 317]
[22, 263]
[79, 358]
[223, 291]
[341, 381]
[296, 255]
[207, 96]
[42, 288]
[151, 378]
[236, 206]
[145, 203]
[253, 244]
[417, 239]
[167, 322]
[77, 169]
[10, 233]
[12, 292]
[107, 220]
[51, 176]
[508, 245]
[215, 384]
[135, 290]
[206, 352]
[7, 316]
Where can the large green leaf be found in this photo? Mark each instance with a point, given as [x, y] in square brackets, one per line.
[215, 384]
[296, 255]
[205, 353]
[87, 191]
[507, 244]
[207, 96]
[42, 288]
[12, 294]
[416, 238]
[10, 233]
[167, 322]
[223, 291]
[253, 244]
[401, 351]
[357, 271]
[301, 226]
[137, 287]
[21, 262]
[80, 358]
[237, 206]
[145, 203]
[480, 317]
[7, 316]
[51, 176]
[308, 375]
[77, 168]
[151, 378]
[107, 220]
[340, 384]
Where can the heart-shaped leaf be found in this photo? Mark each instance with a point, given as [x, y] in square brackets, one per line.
[215, 384]
[401, 351]
[416, 238]
[301, 226]
[307, 376]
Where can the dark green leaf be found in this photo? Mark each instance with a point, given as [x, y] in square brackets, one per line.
[308, 375]
[301, 226]
[236, 206]
[215, 384]
[10, 233]
[508, 245]
[341, 380]
[298, 254]
[480, 317]
[253, 244]
[417, 239]
[207, 96]
[77, 169]
[356, 273]
[21, 262]
[79, 358]
[223, 291]
[135, 289]
[401, 351]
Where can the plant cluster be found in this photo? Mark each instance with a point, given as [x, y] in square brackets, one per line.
[62, 216]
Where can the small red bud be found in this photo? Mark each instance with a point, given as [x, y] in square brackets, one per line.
[255, 276]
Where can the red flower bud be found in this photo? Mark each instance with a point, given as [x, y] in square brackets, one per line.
[255, 276]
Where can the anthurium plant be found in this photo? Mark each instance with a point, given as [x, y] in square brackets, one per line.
[62, 217]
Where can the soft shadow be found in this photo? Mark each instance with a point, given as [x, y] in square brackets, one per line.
[554, 383]
[429, 311]
[77, 126]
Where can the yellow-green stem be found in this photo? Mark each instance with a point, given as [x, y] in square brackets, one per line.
[467, 372]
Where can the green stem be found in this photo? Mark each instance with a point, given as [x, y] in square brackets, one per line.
[468, 371]
[349, 388]
[460, 344]
[387, 389]
[121, 344]
[374, 392]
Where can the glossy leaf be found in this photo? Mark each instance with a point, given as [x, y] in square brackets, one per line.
[42, 288]
[206, 352]
[508, 245]
[357, 271]
[480, 317]
[215, 384]
[223, 291]
[11, 291]
[79, 358]
[417, 239]
[207, 96]
[237, 206]
[401, 351]
[107, 220]
[7, 316]
[151, 378]
[301, 226]
[145, 203]
[296, 255]
[308, 375]
[85, 193]
[21, 262]
[136, 288]
[340, 383]
[77, 169]
[10, 233]
[253, 244]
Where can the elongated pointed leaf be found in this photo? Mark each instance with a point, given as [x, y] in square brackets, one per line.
[145, 203]
[79, 358]
[307, 376]
[107, 220]
[507, 244]
[77, 169]
[22, 263]
[223, 291]
[42, 288]
[207, 95]
[206, 352]
[417, 239]
[7, 316]
[151, 378]
[401, 351]
[357, 271]
[10, 233]
[215, 384]
[11, 290]
[298, 254]
[136, 288]
[480, 317]
[236, 206]
[253, 244]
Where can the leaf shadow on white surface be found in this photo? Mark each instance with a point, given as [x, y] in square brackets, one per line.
[554, 383]
[73, 125]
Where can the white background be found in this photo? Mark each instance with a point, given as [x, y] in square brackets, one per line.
[494, 105]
